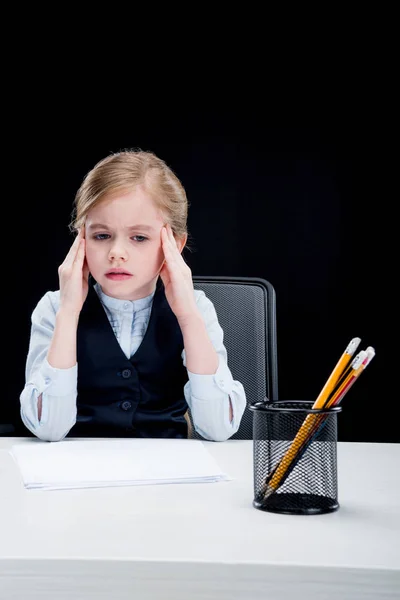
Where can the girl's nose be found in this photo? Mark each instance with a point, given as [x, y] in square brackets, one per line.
[117, 253]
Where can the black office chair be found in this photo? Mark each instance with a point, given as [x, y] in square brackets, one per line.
[7, 429]
[246, 311]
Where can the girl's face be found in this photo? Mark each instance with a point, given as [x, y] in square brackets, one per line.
[123, 244]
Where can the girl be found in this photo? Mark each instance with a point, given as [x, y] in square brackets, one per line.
[126, 344]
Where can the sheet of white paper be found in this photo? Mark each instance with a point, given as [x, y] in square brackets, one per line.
[114, 462]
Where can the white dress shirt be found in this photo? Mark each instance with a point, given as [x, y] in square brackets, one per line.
[208, 396]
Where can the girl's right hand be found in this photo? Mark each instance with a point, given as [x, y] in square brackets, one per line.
[73, 274]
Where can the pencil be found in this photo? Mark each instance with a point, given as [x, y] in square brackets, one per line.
[337, 372]
[312, 421]
[338, 397]
[350, 378]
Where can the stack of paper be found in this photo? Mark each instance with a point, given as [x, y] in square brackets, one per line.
[114, 462]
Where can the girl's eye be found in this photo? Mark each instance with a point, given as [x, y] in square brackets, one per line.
[105, 236]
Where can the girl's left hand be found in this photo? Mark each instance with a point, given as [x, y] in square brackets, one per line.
[177, 279]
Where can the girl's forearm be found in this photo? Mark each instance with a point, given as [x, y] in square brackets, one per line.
[62, 351]
[201, 357]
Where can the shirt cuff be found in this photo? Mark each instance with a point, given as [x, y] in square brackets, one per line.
[202, 386]
[58, 382]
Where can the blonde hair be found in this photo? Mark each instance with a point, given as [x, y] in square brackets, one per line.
[123, 171]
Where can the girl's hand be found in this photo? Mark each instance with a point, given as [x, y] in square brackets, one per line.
[177, 279]
[73, 274]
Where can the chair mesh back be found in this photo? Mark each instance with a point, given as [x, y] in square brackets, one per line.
[242, 314]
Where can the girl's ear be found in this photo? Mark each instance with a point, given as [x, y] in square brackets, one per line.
[181, 242]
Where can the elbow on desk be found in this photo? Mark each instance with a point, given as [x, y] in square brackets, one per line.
[214, 434]
[50, 436]
[216, 437]
[222, 438]
[51, 433]
[46, 432]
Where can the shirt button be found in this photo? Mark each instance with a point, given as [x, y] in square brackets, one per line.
[47, 380]
[126, 405]
[221, 383]
[126, 373]
[126, 304]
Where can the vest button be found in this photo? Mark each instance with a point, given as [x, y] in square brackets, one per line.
[126, 373]
[126, 405]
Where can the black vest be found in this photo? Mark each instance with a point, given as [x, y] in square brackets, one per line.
[137, 397]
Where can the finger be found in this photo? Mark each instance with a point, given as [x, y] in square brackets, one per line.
[170, 258]
[85, 271]
[171, 237]
[173, 245]
[69, 259]
[176, 254]
[167, 246]
[80, 254]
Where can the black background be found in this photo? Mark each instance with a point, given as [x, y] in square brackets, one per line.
[285, 188]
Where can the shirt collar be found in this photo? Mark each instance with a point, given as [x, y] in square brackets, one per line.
[123, 305]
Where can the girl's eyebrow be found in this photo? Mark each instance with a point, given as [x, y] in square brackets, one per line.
[130, 228]
[145, 227]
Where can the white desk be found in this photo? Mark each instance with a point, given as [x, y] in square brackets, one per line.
[203, 541]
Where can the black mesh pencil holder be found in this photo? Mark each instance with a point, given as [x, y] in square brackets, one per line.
[295, 457]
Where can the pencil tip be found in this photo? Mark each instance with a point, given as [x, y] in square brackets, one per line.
[353, 345]
[269, 491]
[370, 354]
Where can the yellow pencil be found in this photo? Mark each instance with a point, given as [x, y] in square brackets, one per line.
[357, 367]
[337, 372]
[347, 380]
[311, 420]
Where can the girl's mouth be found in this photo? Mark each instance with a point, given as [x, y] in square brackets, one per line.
[118, 276]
